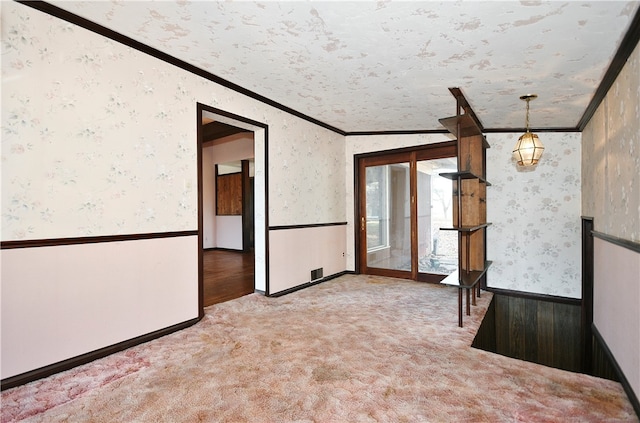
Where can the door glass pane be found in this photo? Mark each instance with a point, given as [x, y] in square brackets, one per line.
[388, 216]
[437, 249]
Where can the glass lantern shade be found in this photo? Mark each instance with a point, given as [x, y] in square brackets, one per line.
[528, 149]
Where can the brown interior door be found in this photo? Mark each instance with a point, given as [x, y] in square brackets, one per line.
[401, 204]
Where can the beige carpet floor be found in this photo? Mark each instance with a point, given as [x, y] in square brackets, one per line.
[353, 349]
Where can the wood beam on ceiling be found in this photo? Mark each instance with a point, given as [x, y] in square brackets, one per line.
[216, 130]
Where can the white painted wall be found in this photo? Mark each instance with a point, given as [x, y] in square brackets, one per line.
[61, 302]
[229, 232]
[260, 213]
[208, 199]
[233, 148]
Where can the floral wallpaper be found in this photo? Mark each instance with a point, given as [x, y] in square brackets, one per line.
[306, 183]
[100, 139]
[611, 157]
[535, 237]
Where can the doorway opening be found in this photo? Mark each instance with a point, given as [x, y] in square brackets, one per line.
[231, 206]
[403, 210]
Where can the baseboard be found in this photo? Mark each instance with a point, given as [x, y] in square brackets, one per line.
[618, 371]
[310, 283]
[70, 363]
[233, 250]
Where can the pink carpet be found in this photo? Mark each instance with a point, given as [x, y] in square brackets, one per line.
[354, 349]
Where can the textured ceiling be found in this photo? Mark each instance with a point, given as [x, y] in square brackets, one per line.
[384, 66]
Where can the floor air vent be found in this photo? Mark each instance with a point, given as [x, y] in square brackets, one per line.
[316, 274]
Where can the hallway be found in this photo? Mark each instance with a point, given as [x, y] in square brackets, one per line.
[227, 275]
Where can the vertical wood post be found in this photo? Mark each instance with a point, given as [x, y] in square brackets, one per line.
[586, 337]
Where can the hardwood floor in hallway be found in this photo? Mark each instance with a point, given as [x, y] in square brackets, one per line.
[227, 275]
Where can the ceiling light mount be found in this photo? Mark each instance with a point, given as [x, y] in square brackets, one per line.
[528, 97]
[528, 149]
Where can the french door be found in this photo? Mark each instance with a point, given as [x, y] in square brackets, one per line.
[402, 203]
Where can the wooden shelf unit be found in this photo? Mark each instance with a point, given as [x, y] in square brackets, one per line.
[464, 175]
[467, 228]
[466, 279]
[469, 201]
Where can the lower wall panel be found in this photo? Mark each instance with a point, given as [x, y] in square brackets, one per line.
[61, 302]
[295, 252]
[602, 362]
[534, 330]
[616, 313]
[229, 232]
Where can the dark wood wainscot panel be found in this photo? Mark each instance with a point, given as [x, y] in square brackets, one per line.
[533, 329]
[229, 194]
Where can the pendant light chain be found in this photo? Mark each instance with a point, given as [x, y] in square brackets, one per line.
[527, 119]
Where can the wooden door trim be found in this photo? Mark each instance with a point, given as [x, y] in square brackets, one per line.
[361, 211]
[394, 158]
[413, 205]
[247, 219]
[421, 149]
[441, 150]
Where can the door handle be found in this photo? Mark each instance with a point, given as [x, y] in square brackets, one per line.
[362, 223]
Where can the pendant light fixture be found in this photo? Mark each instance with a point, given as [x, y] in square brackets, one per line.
[529, 149]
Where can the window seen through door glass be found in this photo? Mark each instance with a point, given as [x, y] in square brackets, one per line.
[377, 207]
[389, 216]
[437, 249]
